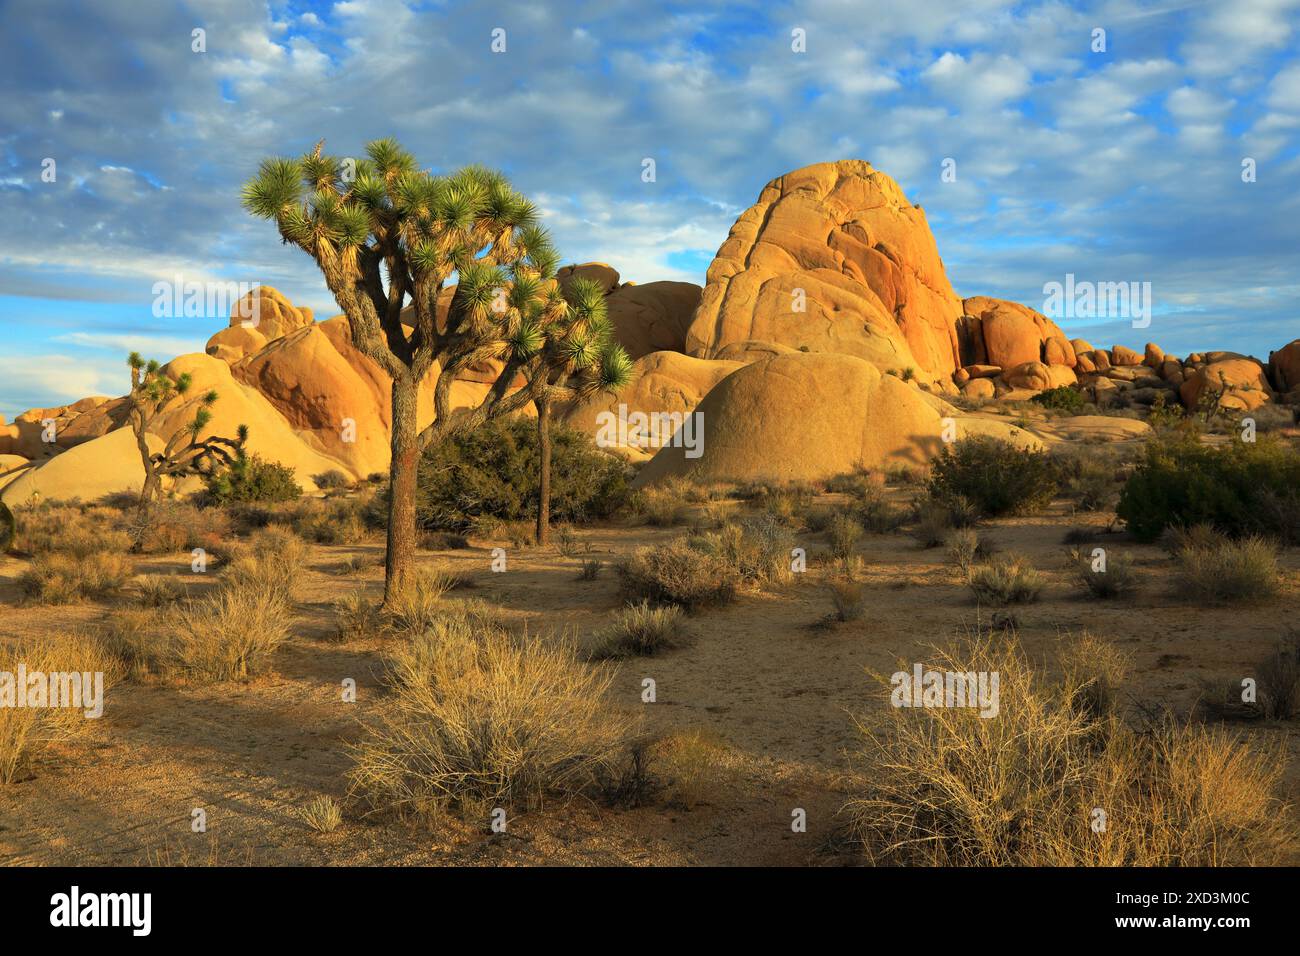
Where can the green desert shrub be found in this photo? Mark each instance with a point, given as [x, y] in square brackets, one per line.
[1062, 398]
[676, 573]
[252, 478]
[479, 720]
[332, 480]
[995, 476]
[755, 549]
[494, 471]
[1242, 488]
[1007, 579]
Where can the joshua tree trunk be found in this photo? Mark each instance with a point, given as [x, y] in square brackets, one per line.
[401, 497]
[544, 487]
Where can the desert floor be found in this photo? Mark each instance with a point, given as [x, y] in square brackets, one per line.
[761, 675]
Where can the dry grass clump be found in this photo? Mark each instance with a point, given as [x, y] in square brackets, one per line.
[1108, 575]
[589, 569]
[755, 549]
[479, 720]
[357, 617]
[876, 514]
[935, 517]
[158, 590]
[842, 535]
[26, 731]
[322, 814]
[1008, 579]
[1049, 782]
[786, 502]
[229, 635]
[689, 763]
[966, 547]
[272, 558]
[848, 598]
[75, 530]
[334, 521]
[1275, 694]
[639, 630]
[1221, 570]
[165, 527]
[61, 577]
[418, 604]
[662, 506]
[676, 573]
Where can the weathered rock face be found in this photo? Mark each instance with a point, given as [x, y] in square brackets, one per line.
[1244, 384]
[105, 465]
[832, 257]
[666, 382]
[1284, 366]
[1010, 334]
[808, 416]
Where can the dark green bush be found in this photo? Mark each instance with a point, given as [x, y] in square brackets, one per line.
[493, 472]
[252, 478]
[996, 477]
[1240, 489]
[1062, 397]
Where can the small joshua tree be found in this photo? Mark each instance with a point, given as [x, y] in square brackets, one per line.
[383, 233]
[152, 390]
[577, 358]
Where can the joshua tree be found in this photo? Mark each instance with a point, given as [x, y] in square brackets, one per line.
[577, 359]
[183, 453]
[382, 232]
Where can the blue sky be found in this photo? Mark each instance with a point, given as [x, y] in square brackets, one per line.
[1123, 165]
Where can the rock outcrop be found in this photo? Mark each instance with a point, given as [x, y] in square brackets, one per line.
[832, 258]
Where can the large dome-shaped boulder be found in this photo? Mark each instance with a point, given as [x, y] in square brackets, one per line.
[809, 416]
[832, 257]
[105, 465]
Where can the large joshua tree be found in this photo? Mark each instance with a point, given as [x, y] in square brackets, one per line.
[183, 453]
[578, 358]
[384, 232]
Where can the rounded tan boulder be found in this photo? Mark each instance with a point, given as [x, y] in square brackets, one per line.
[1032, 374]
[1120, 355]
[832, 257]
[605, 275]
[234, 343]
[979, 389]
[1244, 384]
[1081, 345]
[105, 465]
[1284, 364]
[1153, 356]
[1014, 334]
[806, 416]
[268, 311]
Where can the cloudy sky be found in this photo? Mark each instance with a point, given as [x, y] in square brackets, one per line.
[1122, 165]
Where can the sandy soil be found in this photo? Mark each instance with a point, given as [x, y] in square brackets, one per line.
[760, 675]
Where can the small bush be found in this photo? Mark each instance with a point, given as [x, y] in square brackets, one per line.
[331, 523]
[229, 635]
[1063, 398]
[252, 478]
[996, 477]
[936, 517]
[66, 578]
[323, 814]
[661, 507]
[1241, 489]
[479, 721]
[332, 480]
[690, 762]
[848, 598]
[756, 549]
[843, 534]
[417, 606]
[159, 590]
[966, 546]
[443, 541]
[639, 630]
[356, 617]
[1276, 689]
[1229, 571]
[1113, 579]
[1005, 580]
[675, 573]
[589, 569]
[272, 558]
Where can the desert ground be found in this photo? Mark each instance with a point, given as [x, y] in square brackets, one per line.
[770, 681]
